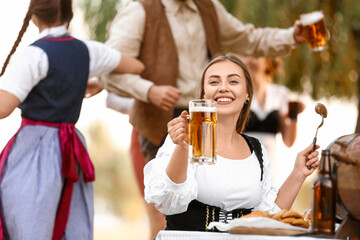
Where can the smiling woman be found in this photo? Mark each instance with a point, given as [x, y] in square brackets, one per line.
[242, 162]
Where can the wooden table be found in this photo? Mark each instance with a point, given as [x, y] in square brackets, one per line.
[189, 235]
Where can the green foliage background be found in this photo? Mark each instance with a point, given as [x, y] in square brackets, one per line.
[98, 15]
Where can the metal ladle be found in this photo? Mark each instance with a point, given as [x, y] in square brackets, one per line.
[321, 110]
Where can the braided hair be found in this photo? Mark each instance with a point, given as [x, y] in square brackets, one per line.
[18, 39]
[47, 11]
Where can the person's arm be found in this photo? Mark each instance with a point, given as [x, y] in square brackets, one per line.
[129, 64]
[288, 130]
[178, 131]
[168, 196]
[26, 69]
[8, 103]
[164, 96]
[105, 60]
[290, 188]
[289, 126]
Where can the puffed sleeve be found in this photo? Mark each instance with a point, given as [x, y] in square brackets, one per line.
[269, 191]
[169, 198]
[103, 59]
[26, 69]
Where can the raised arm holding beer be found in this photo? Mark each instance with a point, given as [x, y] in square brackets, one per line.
[193, 195]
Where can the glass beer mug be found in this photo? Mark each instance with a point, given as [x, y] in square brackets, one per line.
[202, 131]
[315, 30]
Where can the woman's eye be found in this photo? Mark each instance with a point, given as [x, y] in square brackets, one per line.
[214, 82]
[234, 81]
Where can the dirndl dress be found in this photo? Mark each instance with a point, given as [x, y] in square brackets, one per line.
[46, 173]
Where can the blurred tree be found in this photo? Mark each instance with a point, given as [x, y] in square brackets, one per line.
[98, 15]
[333, 72]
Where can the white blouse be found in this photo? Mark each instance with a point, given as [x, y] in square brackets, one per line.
[276, 98]
[228, 184]
[28, 66]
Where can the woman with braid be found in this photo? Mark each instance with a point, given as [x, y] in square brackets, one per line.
[46, 189]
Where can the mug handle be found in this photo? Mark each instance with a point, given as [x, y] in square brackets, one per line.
[183, 143]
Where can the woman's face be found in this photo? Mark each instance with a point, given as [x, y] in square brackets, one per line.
[225, 83]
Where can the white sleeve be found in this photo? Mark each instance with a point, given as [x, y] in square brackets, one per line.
[103, 59]
[169, 198]
[26, 68]
[269, 191]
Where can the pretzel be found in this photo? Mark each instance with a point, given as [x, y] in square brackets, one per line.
[300, 223]
[257, 213]
[290, 214]
[288, 220]
[279, 214]
[291, 217]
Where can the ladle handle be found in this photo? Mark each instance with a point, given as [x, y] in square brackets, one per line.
[312, 150]
[314, 145]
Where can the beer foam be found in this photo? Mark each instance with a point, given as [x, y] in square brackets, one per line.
[310, 18]
[202, 109]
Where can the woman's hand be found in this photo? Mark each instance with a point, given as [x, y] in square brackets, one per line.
[178, 129]
[8, 103]
[307, 158]
[92, 88]
[290, 188]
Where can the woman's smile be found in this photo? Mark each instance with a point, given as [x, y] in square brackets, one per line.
[223, 100]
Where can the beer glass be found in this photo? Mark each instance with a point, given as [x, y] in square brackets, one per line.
[315, 30]
[202, 131]
[295, 105]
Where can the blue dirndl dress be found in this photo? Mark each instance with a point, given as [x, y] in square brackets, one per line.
[32, 178]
